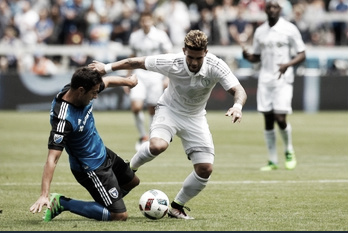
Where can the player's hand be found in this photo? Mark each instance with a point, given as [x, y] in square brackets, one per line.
[126, 89]
[98, 66]
[282, 69]
[235, 113]
[245, 52]
[37, 206]
[133, 81]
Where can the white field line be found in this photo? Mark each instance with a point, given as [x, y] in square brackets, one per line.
[209, 183]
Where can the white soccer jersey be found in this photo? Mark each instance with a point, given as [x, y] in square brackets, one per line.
[155, 42]
[275, 45]
[150, 84]
[187, 92]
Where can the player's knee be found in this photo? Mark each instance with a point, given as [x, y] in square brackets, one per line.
[204, 170]
[157, 146]
[119, 216]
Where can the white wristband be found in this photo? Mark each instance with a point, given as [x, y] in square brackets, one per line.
[108, 68]
[237, 105]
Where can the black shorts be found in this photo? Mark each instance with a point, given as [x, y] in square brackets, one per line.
[104, 184]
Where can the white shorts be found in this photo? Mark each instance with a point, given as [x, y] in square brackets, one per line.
[276, 98]
[149, 88]
[193, 131]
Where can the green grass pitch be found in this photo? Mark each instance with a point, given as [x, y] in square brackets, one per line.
[238, 197]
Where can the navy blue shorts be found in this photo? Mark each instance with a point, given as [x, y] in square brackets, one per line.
[104, 184]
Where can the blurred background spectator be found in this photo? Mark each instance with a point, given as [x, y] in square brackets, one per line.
[340, 26]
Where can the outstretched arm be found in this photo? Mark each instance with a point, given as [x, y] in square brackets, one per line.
[47, 176]
[125, 64]
[240, 97]
[115, 81]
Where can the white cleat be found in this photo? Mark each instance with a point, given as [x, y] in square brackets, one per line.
[176, 213]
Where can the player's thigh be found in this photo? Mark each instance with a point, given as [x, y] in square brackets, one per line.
[164, 124]
[195, 135]
[154, 91]
[121, 169]
[138, 92]
[103, 186]
[283, 98]
[265, 98]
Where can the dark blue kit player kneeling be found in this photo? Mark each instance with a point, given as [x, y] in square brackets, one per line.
[105, 175]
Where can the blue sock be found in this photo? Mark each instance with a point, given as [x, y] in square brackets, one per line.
[87, 209]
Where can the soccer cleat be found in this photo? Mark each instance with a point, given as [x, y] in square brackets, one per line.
[140, 142]
[270, 166]
[179, 213]
[128, 163]
[56, 208]
[290, 160]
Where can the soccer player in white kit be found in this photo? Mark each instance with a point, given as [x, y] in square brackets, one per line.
[148, 40]
[273, 44]
[180, 111]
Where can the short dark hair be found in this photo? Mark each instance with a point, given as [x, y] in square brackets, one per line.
[146, 14]
[196, 40]
[85, 77]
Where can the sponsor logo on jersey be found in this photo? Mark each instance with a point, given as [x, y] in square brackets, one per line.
[58, 138]
[113, 192]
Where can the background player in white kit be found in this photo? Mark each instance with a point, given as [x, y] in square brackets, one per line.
[148, 40]
[193, 74]
[273, 43]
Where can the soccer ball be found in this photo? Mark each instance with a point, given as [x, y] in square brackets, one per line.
[154, 204]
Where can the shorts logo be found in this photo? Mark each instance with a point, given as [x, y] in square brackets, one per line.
[113, 192]
[58, 138]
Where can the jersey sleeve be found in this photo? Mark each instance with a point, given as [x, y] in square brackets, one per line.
[59, 133]
[160, 63]
[296, 40]
[227, 78]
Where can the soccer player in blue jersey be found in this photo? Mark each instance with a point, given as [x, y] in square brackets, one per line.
[180, 111]
[105, 175]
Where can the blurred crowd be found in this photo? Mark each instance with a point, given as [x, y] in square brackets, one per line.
[101, 22]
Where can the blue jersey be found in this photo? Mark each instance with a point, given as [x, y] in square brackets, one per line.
[73, 128]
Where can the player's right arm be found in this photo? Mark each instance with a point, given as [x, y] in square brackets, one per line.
[251, 57]
[125, 64]
[47, 176]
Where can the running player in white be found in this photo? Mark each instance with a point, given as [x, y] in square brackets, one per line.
[148, 40]
[180, 111]
[273, 44]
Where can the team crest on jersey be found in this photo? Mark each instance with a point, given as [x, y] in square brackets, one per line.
[113, 192]
[205, 82]
[58, 138]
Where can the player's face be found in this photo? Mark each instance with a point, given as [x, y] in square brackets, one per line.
[273, 10]
[87, 97]
[146, 23]
[194, 59]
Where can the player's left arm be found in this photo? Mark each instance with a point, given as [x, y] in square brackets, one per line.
[116, 81]
[240, 97]
[300, 57]
[47, 176]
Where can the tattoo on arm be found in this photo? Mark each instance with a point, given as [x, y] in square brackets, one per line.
[133, 64]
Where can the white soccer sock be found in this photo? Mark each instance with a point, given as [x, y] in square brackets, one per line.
[270, 138]
[142, 156]
[287, 138]
[139, 123]
[192, 185]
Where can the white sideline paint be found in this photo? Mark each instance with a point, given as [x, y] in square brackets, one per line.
[210, 182]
